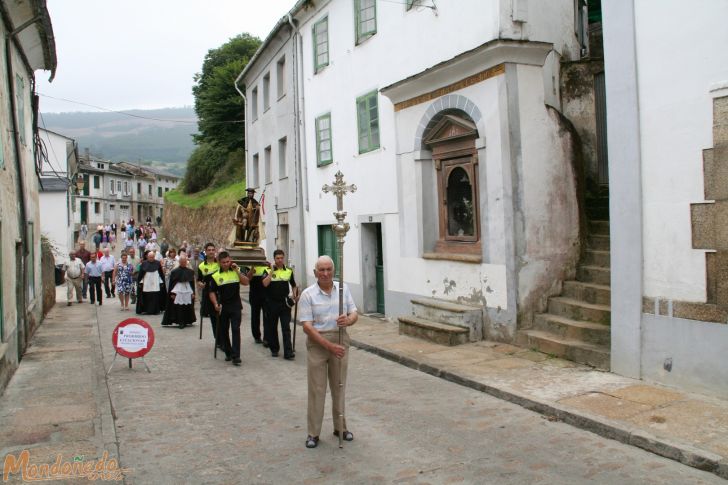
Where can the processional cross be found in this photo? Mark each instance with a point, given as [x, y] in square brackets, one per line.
[339, 189]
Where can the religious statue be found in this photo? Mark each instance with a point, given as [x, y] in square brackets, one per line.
[247, 218]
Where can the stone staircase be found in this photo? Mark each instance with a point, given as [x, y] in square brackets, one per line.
[443, 322]
[577, 323]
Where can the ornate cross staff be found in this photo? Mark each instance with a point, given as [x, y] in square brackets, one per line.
[339, 189]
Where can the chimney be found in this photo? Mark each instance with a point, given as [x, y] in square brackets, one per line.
[87, 153]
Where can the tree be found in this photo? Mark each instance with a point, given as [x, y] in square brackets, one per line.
[218, 105]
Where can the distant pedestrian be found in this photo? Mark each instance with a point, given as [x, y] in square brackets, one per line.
[164, 247]
[97, 239]
[124, 281]
[134, 261]
[108, 263]
[153, 237]
[142, 244]
[84, 231]
[168, 264]
[85, 257]
[74, 277]
[159, 220]
[94, 272]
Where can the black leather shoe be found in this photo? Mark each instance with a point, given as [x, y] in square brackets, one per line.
[228, 358]
[274, 354]
[312, 441]
[347, 435]
[288, 357]
[265, 344]
[258, 341]
[237, 361]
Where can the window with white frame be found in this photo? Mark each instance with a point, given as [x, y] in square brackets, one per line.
[266, 91]
[321, 44]
[281, 77]
[282, 164]
[255, 171]
[324, 150]
[254, 103]
[367, 113]
[266, 161]
[366, 19]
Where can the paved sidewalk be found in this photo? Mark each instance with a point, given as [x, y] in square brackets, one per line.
[689, 428]
[57, 401]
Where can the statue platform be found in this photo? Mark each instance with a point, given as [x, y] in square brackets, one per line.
[246, 254]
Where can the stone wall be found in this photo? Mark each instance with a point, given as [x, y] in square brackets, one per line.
[48, 272]
[198, 226]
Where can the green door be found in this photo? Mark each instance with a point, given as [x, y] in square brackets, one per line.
[380, 272]
[84, 211]
[327, 245]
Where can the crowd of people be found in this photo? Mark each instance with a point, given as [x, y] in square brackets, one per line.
[166, 279]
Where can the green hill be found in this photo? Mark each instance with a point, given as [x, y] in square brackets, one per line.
[161, 138]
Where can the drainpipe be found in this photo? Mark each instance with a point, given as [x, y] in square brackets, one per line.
[245, 123]
[22, 217]
[299, 123]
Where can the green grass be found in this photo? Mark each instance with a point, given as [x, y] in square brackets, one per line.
[226, 195]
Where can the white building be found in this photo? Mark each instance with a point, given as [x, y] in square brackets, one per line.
[667, 107]
[57, 191]
[382, 87]
[274, 146]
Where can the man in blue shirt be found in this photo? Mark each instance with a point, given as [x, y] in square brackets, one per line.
[94, 271]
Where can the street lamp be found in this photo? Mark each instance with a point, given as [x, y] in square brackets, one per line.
[80, 182]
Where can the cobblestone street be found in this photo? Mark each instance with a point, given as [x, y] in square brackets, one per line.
[199, 420]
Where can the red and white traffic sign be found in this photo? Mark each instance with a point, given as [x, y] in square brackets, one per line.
[133, 338]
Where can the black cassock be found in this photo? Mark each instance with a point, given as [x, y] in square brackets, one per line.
[150, 302]
[182, 315]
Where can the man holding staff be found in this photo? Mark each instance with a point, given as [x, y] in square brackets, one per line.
[319, 314]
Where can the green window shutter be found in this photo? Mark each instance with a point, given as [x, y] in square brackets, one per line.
[367, 111]
[85, 184]
[321, 44]
[30, 266]
[324, 148]
[366, 19]
[20, 105]
[2, 152]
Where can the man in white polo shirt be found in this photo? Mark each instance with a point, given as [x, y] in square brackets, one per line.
[319, 313]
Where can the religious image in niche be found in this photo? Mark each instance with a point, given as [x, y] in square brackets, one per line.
[460, 204]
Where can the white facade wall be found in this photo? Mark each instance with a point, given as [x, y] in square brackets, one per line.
[54, 221]
[273, 168]
[679, 62]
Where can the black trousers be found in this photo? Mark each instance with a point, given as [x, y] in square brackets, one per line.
[256, 307]
[109, 285]
[94, 288]
[230, 320]
[275, 311]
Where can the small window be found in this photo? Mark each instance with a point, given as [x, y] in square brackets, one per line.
[266, 92]
[367, 112]
[366, 19]
[267, 165]
[281, 77]
[166, 189]
[118, 186]
[139, 188]
[254, 104]
[324, 150]
[282, 165]
[126, 188]
[149, 189]
[97, 182]
[97, 207]
[255, 171]
[111, 186]
[321, 44]
[159, 191]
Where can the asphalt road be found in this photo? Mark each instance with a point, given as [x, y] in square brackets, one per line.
[195, 419]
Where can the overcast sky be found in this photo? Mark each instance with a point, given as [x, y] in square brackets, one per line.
[126, 54]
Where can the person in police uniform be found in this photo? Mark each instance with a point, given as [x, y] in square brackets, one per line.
[204, 274]
[256, 297]
[225, 299]
[279, 282]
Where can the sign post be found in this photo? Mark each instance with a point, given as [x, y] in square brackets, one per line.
[133, 338]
